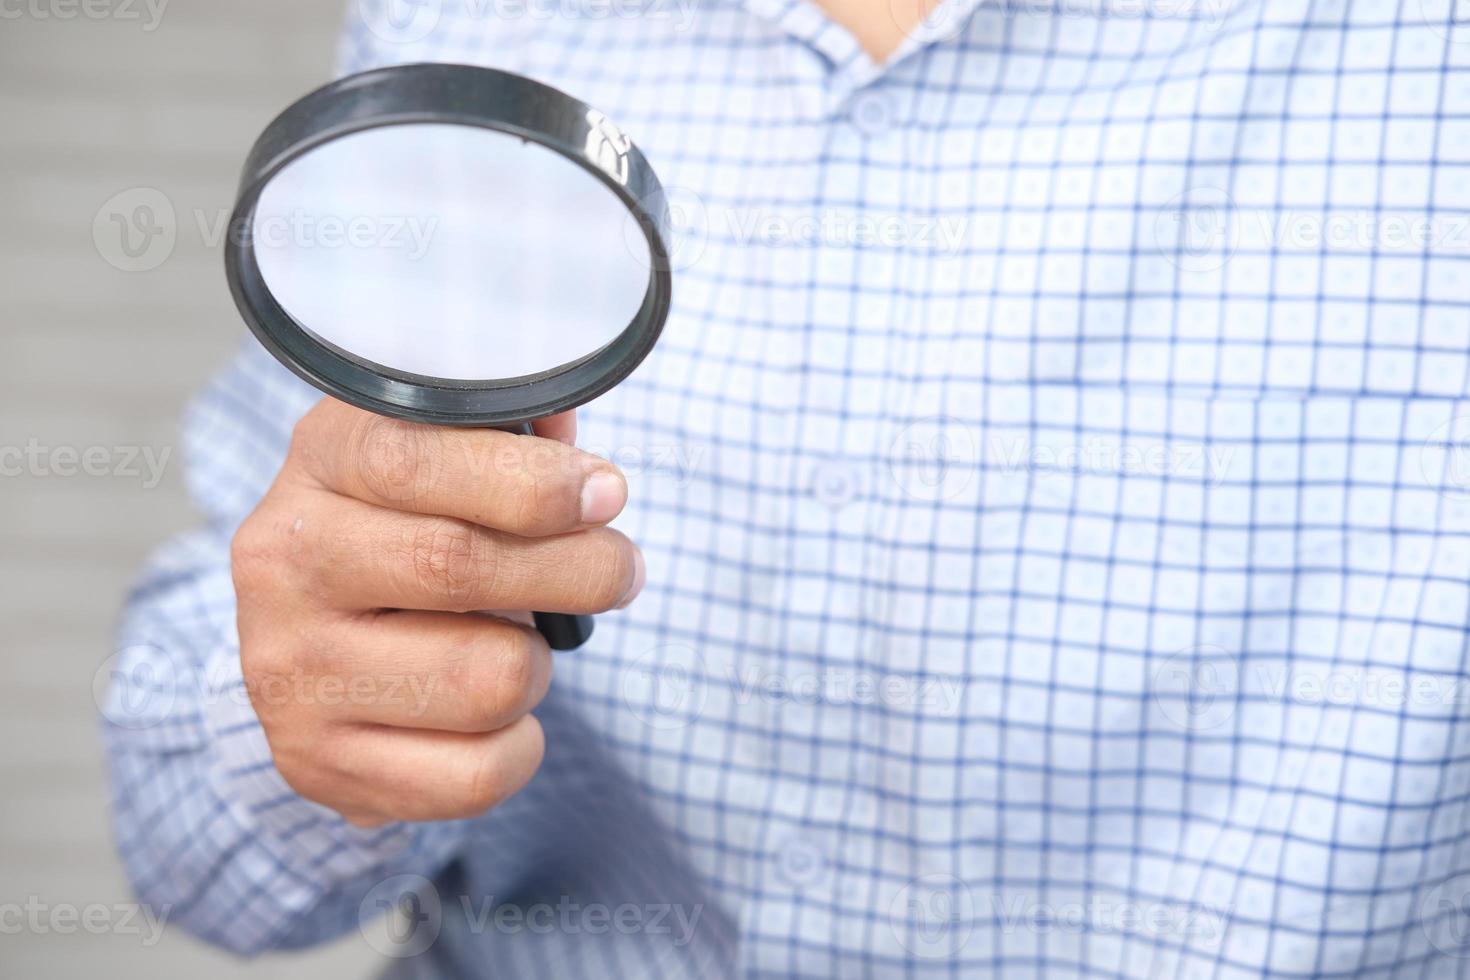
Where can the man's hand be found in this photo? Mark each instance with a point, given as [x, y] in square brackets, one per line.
[384, 694]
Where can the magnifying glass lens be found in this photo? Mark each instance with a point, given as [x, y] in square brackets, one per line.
[449, 252]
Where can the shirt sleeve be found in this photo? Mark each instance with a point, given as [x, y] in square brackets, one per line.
[208, 831]
[210, 834]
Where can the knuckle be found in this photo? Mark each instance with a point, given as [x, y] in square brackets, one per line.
[448, 560]
[280, 547]
[313, 784]
[544, 497]
[484, 784]
[533, 508]
[299, 769]
[298, 774]
[245, 554]
[392, 459]
[535, 747]
[317, 650]
[260, 663]
[516, 668]
[497, 682]
[304, 432]
[256, 554]
[263, 560]
[276, 569]
[272, 674]
[314, 430]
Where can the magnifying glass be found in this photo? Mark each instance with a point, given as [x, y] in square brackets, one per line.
[452, 245]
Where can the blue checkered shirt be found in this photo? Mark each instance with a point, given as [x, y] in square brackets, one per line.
[1055, 486]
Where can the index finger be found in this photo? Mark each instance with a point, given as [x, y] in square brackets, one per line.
[562, 427]
[526, 485]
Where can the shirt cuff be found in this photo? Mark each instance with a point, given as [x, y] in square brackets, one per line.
[300, 833]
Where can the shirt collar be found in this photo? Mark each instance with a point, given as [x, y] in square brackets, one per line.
[851, 67]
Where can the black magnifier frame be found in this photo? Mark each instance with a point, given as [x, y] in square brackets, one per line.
[461, 95]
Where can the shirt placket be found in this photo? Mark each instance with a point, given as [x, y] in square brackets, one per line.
[823, 562]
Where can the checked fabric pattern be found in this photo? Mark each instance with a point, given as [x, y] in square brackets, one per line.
[1054, 488]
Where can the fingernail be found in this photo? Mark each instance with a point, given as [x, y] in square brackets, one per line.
[603, 495]
[639, 574]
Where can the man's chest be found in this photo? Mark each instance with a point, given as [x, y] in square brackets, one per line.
[1075, 328]
[1140, 203]
[1065, 295]
[1035, 424]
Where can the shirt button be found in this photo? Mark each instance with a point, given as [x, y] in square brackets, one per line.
[872, 113]
[801, 863]
[836, 483]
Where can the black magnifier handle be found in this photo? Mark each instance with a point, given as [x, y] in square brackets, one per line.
[563, 631]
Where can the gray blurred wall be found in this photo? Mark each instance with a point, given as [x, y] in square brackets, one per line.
[111, 100]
